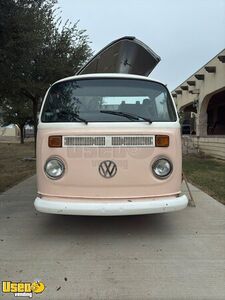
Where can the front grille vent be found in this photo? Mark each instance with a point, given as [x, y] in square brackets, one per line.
[132, 141]
[84, 141]
[109, 141]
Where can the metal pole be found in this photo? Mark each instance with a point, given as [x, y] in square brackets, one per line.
[191, 201]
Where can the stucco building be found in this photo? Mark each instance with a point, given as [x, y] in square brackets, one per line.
[200, 100]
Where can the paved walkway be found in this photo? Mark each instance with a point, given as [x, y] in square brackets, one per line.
[178, 255]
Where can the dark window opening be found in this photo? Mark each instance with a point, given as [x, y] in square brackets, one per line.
[216, 114]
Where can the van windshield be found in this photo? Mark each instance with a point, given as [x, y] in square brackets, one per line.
[108, 100]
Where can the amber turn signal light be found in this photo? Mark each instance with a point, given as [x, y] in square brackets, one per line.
[55, 141]
[162, 140]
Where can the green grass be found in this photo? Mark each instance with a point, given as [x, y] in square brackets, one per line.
[13, 168]
[206, 173]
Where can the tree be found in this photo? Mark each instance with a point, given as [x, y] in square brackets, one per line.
[36, 50]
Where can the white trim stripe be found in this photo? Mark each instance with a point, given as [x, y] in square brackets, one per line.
[110, 125]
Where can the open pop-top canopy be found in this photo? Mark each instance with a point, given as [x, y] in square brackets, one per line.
[125, 55]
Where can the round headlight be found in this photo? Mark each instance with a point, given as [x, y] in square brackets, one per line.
[162, 168]
[54, 168]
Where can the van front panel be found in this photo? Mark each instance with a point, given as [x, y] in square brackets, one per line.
[134, 176]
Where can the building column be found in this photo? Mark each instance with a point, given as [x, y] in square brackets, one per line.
[201, 124]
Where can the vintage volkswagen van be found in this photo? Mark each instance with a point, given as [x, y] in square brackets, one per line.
[109, 144]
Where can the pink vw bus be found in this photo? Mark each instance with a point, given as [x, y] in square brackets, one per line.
[109, 143]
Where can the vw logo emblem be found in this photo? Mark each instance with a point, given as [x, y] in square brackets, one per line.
[107, 169]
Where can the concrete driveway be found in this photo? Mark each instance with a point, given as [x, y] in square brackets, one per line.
[178, 255]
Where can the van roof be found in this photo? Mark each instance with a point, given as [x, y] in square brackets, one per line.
[108, 75]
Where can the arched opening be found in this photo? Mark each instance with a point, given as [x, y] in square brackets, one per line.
[188, 118]
[216, 114]
[211, 115]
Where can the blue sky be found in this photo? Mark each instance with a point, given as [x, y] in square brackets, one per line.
[186, 34]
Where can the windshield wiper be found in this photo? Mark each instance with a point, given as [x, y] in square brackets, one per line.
[126, 115]
[73, 115]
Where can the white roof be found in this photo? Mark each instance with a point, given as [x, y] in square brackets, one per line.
[107, 75]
